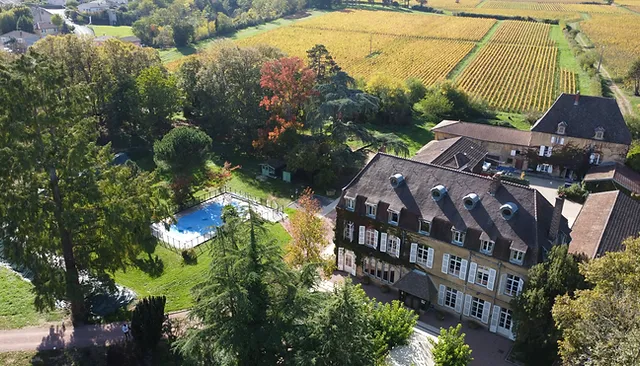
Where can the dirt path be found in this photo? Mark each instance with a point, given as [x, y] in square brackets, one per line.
[621, 98]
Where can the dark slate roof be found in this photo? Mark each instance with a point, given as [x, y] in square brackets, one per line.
[484, 132]
[583, 119]
[457, 153]
[619, 173]
[605, 221]
[527, 230]
[275, 163]
[417, 283]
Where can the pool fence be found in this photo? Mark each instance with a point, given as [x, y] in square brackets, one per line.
[267, 209]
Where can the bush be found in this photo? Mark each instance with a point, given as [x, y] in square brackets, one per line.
[532, 116]
[633, 157]
[366, 280]
[508, 178]
[576, 192]
[189, 256]
[426, 9]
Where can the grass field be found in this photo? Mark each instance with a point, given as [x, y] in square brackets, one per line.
[16, 307]
[107, 30]
[177, 279]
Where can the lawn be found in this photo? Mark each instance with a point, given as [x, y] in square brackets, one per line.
[177, 278]
[413, 135]
[16, 308]
[107, 30]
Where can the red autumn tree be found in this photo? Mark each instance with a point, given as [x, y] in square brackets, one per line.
[288, 84]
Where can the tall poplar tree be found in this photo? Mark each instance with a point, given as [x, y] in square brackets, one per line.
[66, 212]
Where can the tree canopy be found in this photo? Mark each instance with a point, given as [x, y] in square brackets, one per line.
[450, 349]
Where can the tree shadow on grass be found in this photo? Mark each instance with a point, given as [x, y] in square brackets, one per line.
[605, 85]
[187, 50]
[153, 266]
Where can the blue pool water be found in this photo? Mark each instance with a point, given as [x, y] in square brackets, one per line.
[202, 220]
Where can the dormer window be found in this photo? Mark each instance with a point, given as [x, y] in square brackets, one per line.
[599, 133]
[424, 227]
[457, 237]
[562, 126]
[516, 257]
[394, 217]
[486, 247]
[371, 210]
[350, 203]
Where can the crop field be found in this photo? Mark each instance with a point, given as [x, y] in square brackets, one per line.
[402, 25]
[568, 81]
[364, 55]
[554, 7]
[516, 70]
[619, 36]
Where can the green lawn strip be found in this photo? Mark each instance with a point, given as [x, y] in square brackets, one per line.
[177, 278]
[414, 135]
[566, 60]
[172, 54]
[473, 53]
[16, 308]
[115, 31]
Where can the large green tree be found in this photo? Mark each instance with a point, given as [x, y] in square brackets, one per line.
[450, 349]
[536, 334]
[633, 76]
[160, 99]
[601, 325]
[183, 154]
[66, 211]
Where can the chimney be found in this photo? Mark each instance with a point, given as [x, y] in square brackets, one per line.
[495, 183]
[576, 102]
[554, 228]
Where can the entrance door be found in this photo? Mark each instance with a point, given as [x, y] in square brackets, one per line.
[505, 323]
[519, 163]
[349, 263]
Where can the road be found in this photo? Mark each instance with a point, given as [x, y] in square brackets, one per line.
[80, 30]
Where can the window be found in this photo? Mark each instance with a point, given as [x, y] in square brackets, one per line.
[482, 276]
[351, 203]
[371, 238]
[561, 128]
[348, 230]
[545, 168]
[517, 257]
[455, 263]
[513, 282]
[450, 298]
[393, 246]
[486, 246]
[394, 217]
[457, 237]
[599, 133]
[371, 209]
[425, 227]
[477, 306]
[505, 321]
[380, 270]
[594, 159]
[422, 255]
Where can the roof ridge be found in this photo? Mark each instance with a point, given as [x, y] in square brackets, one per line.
[480, 124]
[357, 176]
[606, 224]
[456, 171]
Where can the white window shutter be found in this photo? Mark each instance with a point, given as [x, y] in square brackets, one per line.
[550, 169]
[353, 268]
[539, 167]
[541, 152]
[513, 153]
[562, 141]
[492, 279]
[441, 291]
[340, 259]
[361, 235]
[473, 268]
[553, 139]
[520, 285]
[430, 254]
[503, 280]
[494, 319]
[414, 253]
[445, 263]
[486, 309]
[549, 151]
[467, 305]
[375, 241]
[383, 242]
[397, 248]
[463, 269]
[459, 301]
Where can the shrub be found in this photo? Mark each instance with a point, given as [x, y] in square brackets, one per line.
[508, 178]
[576, 192]
[532, 116]
[366, 280]
[633, 157]
[147, 324]
[189, 256]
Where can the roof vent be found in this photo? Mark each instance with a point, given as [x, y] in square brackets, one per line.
[470, 201]
[508, 210]
[438, 192]
[396, 180]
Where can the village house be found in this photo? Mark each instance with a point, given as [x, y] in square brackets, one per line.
[18, 41]
[612, 176]
[42, 21]
[458, 153]
[605, 221]
[592, 124]
[442, 237]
